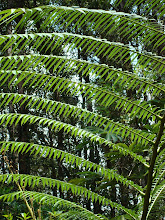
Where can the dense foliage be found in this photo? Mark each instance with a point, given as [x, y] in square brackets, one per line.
[82, 110]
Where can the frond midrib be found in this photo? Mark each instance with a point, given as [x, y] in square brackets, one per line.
[105, 41]
[68, 128]
[102, 91]
[51, 199]
[67, 186]
[79, 161]
[106, 67]
[96, 115]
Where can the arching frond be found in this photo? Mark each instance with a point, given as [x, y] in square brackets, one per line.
[95, 46]
[123, 78]
[127, 25]
[73, 111]
[46, 199]
[14, 119]
[49, 152]
[38, 80]
[30, 180]
[10, 119]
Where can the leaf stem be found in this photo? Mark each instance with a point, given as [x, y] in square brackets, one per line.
[151, 170]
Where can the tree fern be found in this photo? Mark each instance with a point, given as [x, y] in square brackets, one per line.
[38, 68]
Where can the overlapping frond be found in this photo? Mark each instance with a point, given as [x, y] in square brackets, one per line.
[67, 110]
[62, 63]
[45, 151]
[39, 68]
[95, 46]
[47, 199]
[142, 109]
[107, 22]
[32, 181]
[14, 119]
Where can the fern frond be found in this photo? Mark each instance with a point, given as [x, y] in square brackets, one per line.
[49, 152]
[61, 63]
[29, 180]
[147, 5]
[47, 199]
[107, 22]
[9, 15]
[155, 196]
[142, 109]
[69, 110]
[14, 119]
[159, 175]
[19, 68]
[95, 46]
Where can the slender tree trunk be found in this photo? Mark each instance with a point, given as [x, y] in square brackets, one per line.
[13, 157]
[23, 132]
[53, 165]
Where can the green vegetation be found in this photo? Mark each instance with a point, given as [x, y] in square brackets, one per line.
[82, 110]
